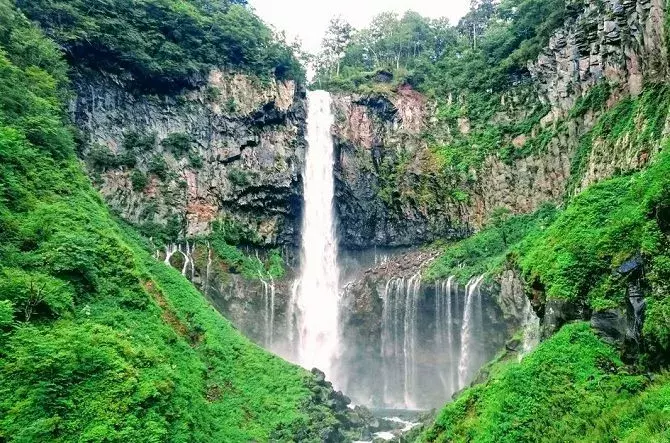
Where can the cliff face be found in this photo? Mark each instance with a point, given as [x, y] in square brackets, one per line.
[384, 170]
[621, 43]
[242, 158]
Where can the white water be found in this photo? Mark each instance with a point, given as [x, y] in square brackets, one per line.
[317, 295]
[268, 311]
[400, 340]
[471, 317]
[446, 295]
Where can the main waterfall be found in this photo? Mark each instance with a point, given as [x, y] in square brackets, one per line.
[317, 294]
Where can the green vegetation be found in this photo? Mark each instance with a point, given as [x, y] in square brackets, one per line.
[139, 180]
[134, 141]
[487, 251]
[178, 143]
[633, 122]
[98, 340]
[239, 177]
[164, 44]
[572, 388]
[226, 240]
[572, 254]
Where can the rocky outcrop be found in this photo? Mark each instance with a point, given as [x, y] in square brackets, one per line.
[391, 190]
[231, 149]
[621, 41]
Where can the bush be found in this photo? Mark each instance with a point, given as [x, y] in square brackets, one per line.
[159, 167]
[102, 158]
[135, 141]
[238, 177]
[34, 294]
[177, 143]
[6, 313]
[195, 160]
[138, 180]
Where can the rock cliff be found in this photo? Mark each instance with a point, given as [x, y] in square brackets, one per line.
[231, 149]
[390, 189]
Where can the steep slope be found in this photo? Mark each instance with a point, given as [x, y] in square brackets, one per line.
[191, 123]
[572, 388]
[98, 340]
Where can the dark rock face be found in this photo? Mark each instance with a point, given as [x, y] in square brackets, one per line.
[376, 137]
[248, 138]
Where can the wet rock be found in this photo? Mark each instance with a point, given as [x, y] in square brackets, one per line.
[612, 325]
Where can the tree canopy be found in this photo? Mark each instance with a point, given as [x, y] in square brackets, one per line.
[164, 44]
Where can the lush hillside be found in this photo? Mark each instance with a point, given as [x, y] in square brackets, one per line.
[164, 44]
[572, 388]
[611, 235]
[98, 341]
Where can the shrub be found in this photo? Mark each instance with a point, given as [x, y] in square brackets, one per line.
[195, 160]
[238, 177]
[135, 141]
[6, 313]
[138, 180]
[177, 143]
[34, 293]
[102, 158]
[159, 167]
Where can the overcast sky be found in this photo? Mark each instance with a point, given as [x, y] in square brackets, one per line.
[308, 19]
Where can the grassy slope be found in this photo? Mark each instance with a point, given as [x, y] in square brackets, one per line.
[572, 388]
[99, 342]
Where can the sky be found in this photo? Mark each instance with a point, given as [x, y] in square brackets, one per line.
[308, 19]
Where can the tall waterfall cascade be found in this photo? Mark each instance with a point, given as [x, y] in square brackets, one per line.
[316, 296]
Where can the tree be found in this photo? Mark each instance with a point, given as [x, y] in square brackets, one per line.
[338, 36]
[474, 24]
[498, 220]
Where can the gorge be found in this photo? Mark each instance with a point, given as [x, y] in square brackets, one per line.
[452, 232]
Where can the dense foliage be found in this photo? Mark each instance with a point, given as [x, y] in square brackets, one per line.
[487, 51]
[98, 340]
[572, 388]
[163, 44]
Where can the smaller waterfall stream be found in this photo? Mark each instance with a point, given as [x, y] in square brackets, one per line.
[472, 318]
[531, 329]
[269, 310]
[446, 313]
[399, 340]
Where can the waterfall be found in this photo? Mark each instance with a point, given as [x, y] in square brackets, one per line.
[446, 293]
[187, 251]
[530, 329]
[472, 319]
[399, 341]
[268, 310]
[317, 296]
